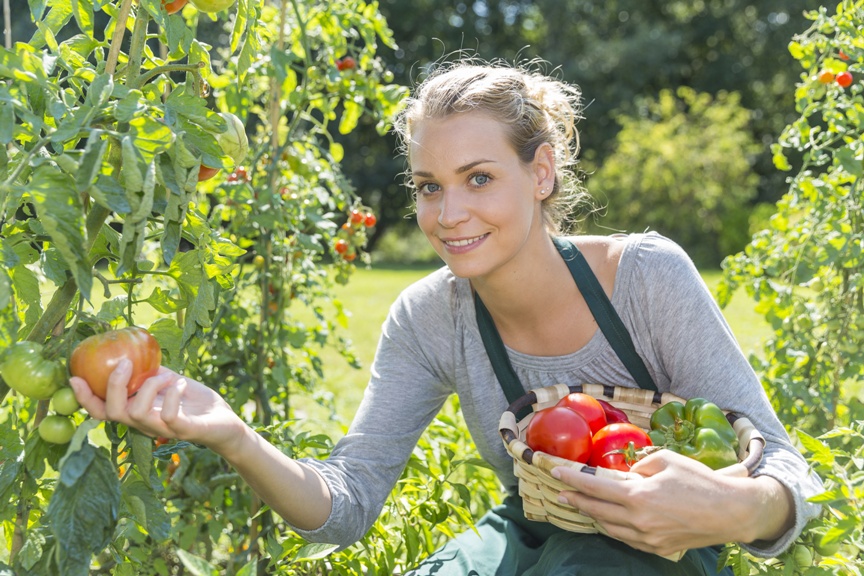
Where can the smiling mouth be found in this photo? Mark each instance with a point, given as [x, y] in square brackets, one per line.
[465, 242]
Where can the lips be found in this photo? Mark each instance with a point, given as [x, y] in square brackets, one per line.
[463, 242]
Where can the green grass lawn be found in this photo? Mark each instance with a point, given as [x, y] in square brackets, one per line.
[370, 292]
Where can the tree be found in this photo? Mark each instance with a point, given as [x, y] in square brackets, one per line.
[687, 154]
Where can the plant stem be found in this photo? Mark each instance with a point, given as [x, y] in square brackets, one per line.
[167, 68]
[117, 38]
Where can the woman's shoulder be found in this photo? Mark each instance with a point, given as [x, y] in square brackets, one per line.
[433, 296]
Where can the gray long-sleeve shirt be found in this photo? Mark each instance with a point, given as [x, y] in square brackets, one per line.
[430, 347]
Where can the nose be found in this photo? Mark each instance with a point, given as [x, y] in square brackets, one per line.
[453, 209]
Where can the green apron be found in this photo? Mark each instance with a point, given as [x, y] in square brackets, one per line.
[510, 545]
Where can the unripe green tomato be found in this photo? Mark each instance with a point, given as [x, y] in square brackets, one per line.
[27, 372]
[212, 6]
[64, 402]
[802, 555]
[826, 549]
[233, 141]
[56, 429]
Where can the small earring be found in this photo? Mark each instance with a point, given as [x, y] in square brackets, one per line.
[543, 192]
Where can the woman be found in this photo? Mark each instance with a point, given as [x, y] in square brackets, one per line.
[489, 150]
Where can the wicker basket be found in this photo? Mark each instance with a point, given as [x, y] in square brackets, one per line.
[539, 490]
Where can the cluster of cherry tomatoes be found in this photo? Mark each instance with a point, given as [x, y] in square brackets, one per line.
[351, 235]
[584, 429]
[240, 175]
[843, 79]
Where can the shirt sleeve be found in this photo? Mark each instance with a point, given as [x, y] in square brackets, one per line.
[698, 356]
[405, 392]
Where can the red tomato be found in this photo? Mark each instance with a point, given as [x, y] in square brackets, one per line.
[356, 216]
[96, 357]
[341, 246]
[613, 414]
[561, 432]
[586, 406]
[346, 63]
[842, 55]
[614, 446]
[370, 220]
[173, 6]
[844, 79]
[206, 172]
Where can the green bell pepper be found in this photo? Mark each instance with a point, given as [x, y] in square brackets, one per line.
[697, 429]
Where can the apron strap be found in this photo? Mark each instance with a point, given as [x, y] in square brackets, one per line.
[599, 305]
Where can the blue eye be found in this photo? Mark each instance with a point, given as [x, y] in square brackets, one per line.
[428, 188]
[480, 179]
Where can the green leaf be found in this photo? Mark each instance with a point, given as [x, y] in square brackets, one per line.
[109, 193]
[146, 508]
[91, 161]
[142, 452]
[350, 115]
[84, 508]
[60, 212]
[821, 451]
[315, 551]
[197, 566]
[100, 89]
[850, 160]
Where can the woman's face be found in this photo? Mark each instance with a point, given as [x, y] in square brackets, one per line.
[477, 203]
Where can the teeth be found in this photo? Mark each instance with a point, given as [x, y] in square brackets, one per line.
[467, 242]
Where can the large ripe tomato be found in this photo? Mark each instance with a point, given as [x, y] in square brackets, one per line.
[586, 406]
[96, 357]
[29, 373]
[615, 446]
[561, 432]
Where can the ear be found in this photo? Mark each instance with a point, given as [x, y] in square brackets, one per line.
[544, 170]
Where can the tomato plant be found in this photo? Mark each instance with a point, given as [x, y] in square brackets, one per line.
[96, 357]
[615, 446]
[586, 406]
[561, 432]
[28, 372]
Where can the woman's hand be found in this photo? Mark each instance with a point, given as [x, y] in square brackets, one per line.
[167, 405]
[680, 504]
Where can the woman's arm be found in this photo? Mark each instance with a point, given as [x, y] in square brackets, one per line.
[173, 406]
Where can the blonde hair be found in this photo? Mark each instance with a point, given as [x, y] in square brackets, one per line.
[535, 107]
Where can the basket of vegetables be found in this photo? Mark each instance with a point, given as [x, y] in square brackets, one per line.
[604, 430]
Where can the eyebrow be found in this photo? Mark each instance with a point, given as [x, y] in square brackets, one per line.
[459, 170]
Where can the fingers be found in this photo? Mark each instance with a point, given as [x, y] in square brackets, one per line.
[141, 405]
[94, 405]
[116, 392]
[171, 403]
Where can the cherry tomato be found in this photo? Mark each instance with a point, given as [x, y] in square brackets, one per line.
[346, 63]
[370, 220]
[356, 216]
[844, 79]
[96, 357]
[64, 402]
[587, 407]
[614, 446]
[56, 429]
[561, 432]
[206, 172]
[842, 55]
[258, 261]
[826, 76]
[174, 6]
[341, 246]
[349, 256]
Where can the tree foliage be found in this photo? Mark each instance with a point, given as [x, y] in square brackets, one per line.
[686, 153]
